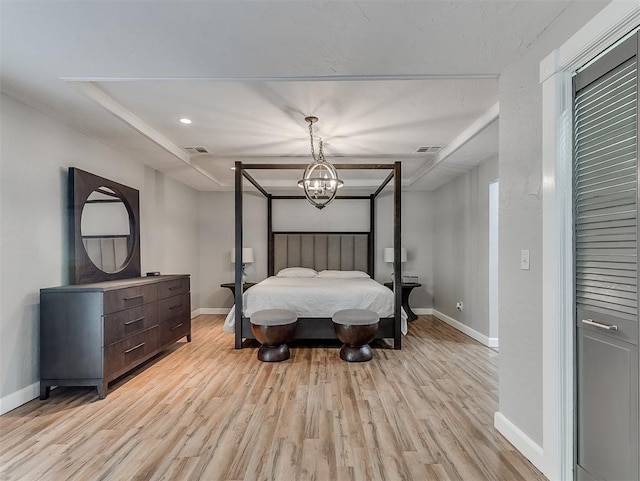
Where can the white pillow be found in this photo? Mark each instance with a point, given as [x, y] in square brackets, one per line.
[297, 272]
[343, 274]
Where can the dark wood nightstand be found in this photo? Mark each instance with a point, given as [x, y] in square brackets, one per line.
[232, 287]
[406, 291]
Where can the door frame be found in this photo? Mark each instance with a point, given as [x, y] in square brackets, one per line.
[613, 23]
[494, 255]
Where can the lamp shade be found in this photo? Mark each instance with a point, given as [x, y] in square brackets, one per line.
[388, 254]
[247, 255]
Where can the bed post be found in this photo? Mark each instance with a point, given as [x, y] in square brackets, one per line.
[238, 247]
[270, 261]
[397, 243]
[372, 236]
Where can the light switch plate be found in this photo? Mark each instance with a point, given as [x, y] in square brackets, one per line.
[524, 259]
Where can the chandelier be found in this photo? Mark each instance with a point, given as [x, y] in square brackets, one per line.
[320, 179]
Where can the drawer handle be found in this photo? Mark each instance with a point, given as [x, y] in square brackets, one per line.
[176, 327]
[134, 321]
[608, 327]
[134, 348]
[174, 288]
[175, 307]
[133, 297]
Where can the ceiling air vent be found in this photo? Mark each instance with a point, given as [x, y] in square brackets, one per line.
[196, 150]
[430, 149]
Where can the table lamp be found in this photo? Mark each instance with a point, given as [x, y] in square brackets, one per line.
[247, 258]
[388, 256]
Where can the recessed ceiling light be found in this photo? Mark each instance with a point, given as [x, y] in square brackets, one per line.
[185, 120]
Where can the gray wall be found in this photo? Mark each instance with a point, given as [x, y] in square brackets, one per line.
[461, 241]
[340, 215]
[217, 237]
[417, 238]
[169, 221]
[36, 152]
[520, 297]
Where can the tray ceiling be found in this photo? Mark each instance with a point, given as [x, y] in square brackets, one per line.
[385, 78]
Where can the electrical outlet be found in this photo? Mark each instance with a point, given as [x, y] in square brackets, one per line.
[459, 306]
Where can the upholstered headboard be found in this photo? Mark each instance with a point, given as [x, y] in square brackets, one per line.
[321, 250]
[108, 253]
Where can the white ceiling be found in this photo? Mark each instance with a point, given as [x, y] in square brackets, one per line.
[383, 77]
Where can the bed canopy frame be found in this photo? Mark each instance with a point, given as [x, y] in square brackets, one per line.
[311, 328]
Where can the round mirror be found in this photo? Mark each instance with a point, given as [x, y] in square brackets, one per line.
[105, 227]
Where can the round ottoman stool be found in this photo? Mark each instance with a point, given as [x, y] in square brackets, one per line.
[273, 328]
[356, 328]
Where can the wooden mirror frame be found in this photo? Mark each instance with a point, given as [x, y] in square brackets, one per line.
[82, 269]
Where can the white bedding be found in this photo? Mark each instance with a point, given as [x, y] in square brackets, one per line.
[316, 297]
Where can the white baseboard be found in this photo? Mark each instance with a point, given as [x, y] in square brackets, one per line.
[213, 310]
[18, 398]
[520, 440]
[423, 311]
[487, 341]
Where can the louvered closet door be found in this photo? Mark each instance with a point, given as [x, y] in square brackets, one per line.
[606, 265]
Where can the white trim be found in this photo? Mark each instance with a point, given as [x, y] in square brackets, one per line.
[464, 137]
[107, 102]
[520, 440]
[487, 341]
[18, 398]
[614, 22]
[306, 78]
[610, 25]
[494, 254]
[214, 310]
[557, 266]
[423, 311]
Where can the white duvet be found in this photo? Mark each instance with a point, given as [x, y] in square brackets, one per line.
[316, 297]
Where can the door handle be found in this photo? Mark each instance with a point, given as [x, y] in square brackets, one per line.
[608, 327]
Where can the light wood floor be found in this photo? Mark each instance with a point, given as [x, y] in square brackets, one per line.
[206, 411]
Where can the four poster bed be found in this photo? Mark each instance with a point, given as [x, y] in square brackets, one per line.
[319, 273]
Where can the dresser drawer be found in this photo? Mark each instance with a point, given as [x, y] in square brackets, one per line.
[120, 299]
[174, 307]
[175, 328]
[129, 350]
[173, 287]
[126, 323]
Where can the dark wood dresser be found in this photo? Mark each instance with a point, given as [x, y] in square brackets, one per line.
[90, 334]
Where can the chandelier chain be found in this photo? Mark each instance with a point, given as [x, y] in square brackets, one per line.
[320, 156]
[313, 152]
